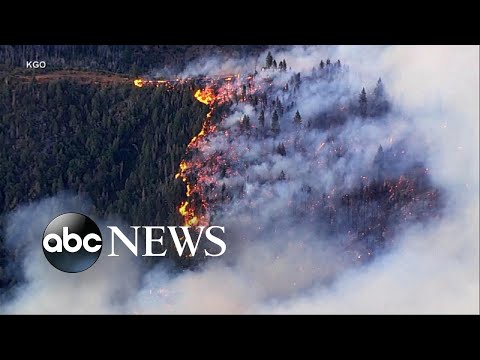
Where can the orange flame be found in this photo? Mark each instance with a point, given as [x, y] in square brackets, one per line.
[193, 221]
[183, 208]
[188, 210]
[194, 210]
[205, 96]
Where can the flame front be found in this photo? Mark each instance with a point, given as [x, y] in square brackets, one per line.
[193, 210]
[205, 96]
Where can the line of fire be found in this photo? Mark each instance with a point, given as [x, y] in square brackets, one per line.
[214, 90]
[364, 213]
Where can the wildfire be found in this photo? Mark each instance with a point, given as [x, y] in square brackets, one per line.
[194, 210]
[183, 208]
[205, 96]
[169, 84]
[191, 209]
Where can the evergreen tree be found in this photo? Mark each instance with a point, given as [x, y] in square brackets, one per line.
[246, 122]
[379, 162]
[269, 60]
[244, 91]
[380, 104]
[380, 156]
[275, 64]
[297, 119]
[379, 92]
[322, 65]
[275, 123]
[281, 149]
[279, 107]
[296, 81]
[362, 100]
[282, 176]
[261, 119]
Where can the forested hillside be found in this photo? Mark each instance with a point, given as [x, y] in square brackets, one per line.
[119, 145]
[101, 141]
[126, 59]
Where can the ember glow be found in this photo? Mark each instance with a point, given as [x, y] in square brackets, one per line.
[194, 210]
[356, 207]
[205, 96]
[205, 172]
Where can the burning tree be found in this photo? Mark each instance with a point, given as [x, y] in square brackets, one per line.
[391, 191]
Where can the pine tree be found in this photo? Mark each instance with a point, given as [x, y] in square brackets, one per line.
[297, 119]
[269, 60]
[244, 91]
[275, 123]
[379, 104]
[379, 91]
[261, 119]
[279, 107]
[281, 149]
[282, 176]
[224, 190]
[246, 122]
[328, 62]
[275, 64]
[296, 81]
[322, 65]
[380, 156]
[339, 64]
[363, 103]
[379, 162]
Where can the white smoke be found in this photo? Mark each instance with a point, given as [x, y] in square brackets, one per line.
[275, 265]
[45, 290]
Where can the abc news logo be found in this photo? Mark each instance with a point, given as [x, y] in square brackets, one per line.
[36, 65]
[72, 242]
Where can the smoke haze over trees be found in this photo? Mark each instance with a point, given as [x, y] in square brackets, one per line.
[340, 173]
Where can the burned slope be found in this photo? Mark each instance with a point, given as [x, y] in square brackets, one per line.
[312, 150]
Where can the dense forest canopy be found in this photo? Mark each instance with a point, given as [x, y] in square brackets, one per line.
[118, 145]
[96, 134]
[101, 141]
[126, 59]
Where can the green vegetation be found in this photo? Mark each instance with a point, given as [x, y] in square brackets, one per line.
[125, 59]
[120, 145]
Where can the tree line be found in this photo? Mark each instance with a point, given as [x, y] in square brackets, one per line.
[121, 146]
[126, 59]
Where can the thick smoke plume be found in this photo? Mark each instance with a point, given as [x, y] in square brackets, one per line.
[45, 290]
[291, 247]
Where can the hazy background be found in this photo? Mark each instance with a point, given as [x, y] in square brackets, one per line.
[433, 268]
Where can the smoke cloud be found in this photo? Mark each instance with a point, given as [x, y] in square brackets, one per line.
[45, 290]
[282, 258]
